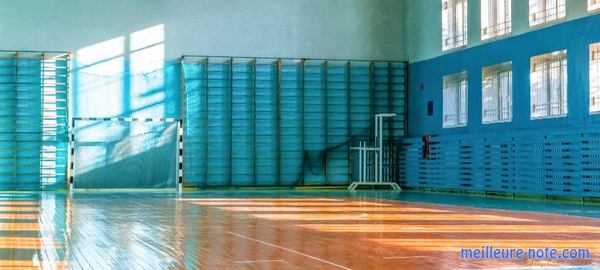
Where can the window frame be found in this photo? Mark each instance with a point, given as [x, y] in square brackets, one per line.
[593, 6]
[449, 15]
[495, 73]
[561, 13]
[495, 24]
[547, 60]
[459, 80]
[594, 79]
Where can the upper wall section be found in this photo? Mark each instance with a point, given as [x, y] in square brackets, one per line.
[424, 25]
[343, 29]
[426, 81]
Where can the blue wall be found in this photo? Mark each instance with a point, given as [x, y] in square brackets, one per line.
[544, 157]
[574, 36]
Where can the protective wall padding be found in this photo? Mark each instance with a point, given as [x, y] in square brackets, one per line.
[283, 122]
[33, 120]
[125, 154]
[552, 164]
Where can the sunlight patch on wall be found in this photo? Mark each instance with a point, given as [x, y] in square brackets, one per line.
[99, 79]
[147, 57]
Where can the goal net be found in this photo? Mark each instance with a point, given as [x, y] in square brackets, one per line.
[124, 153]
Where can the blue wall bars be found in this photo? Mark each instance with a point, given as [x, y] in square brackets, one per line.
[33, 120]
[282, 122]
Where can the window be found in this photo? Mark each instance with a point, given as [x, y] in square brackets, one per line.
[595, 78]
[593, 5]
[455, 100]
[497, 93]
[454, 24]
[495, 18]
[548, 79]
[543, 11]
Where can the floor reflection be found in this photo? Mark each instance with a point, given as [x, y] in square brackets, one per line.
[147, 230]
[380, 234]
[28, 238]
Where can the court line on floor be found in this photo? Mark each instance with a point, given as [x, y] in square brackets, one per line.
[289, 250]
[403, 257]
[259, 261]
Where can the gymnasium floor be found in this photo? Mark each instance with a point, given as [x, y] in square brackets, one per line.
[282, 230]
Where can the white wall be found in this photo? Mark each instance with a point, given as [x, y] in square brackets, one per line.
[345, 29]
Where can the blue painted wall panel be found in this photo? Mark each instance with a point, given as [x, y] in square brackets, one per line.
[554, 164]
[544, 157]
[574, 36]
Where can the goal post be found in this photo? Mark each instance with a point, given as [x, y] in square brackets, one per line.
[125, 152]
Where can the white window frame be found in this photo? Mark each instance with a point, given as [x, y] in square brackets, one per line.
[546, 11]
[548, 85]
[595, 78]
[593, 5]
[495, 18]
[496, 98]
[455, 100]
[454, 24]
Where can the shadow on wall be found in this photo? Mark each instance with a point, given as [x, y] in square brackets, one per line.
[112, 154]
[126, 76]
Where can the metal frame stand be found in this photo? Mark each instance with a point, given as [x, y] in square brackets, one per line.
[371, 159]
